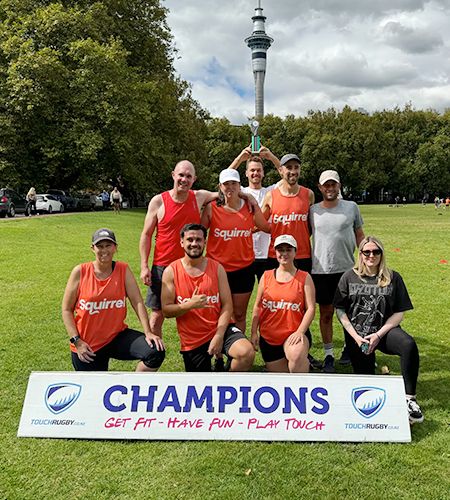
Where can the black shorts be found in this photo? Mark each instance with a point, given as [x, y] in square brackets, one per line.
[153, 298]
[127, 345]
[271, 352]
[326, 285]
[302, 264]
[198, 359]
[260, 266]
[242, 280]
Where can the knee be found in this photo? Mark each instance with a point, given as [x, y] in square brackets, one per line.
[154, 358]
[246, 353]
[409, 346]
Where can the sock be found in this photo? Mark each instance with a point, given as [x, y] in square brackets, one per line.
[328, 348]
[408, 397]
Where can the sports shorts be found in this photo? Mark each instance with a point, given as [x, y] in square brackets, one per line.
[242, 280]
[198, 359]
[271, 352]
[326, 285]
[153, 299]
[127, 345]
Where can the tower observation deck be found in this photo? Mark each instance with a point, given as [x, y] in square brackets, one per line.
[259, 42]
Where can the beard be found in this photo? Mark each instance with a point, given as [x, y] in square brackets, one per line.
[194, 253]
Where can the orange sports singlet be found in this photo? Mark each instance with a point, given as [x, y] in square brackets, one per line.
[230, 239]
[290, 216]
[101, 306]
[197, 326]
[176, 215]
[282, 307]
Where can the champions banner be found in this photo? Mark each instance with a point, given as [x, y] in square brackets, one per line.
[209, 406]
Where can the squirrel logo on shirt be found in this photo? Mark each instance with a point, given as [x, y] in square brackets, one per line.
[228, 234]
[210, 299]
[93, 307]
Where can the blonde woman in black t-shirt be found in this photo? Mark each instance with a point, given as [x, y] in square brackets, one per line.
[370, 302]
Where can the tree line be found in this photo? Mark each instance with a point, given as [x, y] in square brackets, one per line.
[89, 97]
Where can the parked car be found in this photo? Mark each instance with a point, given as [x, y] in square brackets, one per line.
[65, 198]
[98, 203]
[83, 201]
[48, 203]
[11, 203]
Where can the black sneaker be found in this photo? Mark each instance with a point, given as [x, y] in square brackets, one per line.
[328, 364]
[414, 411]
[219, 365]
[314, 363]
[345, 358]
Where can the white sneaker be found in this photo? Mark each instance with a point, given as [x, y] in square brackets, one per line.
[414, 411]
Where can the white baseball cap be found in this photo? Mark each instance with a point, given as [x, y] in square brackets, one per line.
[329, 175]
[229, 174]
[285, 238]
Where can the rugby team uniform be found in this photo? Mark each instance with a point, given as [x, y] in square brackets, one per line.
[290, 216]
[167, 241]
[100, 312]
[197, 327]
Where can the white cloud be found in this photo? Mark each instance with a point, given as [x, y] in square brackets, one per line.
[325, 53]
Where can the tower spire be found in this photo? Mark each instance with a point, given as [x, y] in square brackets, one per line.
[259, 42]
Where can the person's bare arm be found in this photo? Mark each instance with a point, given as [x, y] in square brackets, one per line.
[204, 197]
[244, 155]
[359, 235]
[155, 208]
[268, 155]
[216, 344]
[254, 339]
[310, 310]
[206, 216]
[311, 197]
[266, 207]
[84, 351]
[260, 221]
[134, 294]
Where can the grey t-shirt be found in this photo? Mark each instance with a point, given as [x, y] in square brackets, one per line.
[333, 236]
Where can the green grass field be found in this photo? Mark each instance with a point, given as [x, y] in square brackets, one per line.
[36, 257]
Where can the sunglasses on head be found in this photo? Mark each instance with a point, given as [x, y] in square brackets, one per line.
[366, 253]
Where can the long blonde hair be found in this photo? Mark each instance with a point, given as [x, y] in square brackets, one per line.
[384, 275]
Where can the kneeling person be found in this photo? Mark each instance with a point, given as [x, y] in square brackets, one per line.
[94, 312]
[195, 290]
[284, 309]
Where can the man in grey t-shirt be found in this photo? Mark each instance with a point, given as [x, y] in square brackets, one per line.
[336, 227]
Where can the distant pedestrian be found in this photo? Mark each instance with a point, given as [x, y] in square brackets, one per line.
[105, 199]
[116, 200]
[31, 202]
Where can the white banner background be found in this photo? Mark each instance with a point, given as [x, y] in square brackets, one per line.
[242, 406]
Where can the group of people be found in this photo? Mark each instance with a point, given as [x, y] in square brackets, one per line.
[262, 232]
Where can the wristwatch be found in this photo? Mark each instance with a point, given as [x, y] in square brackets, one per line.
[74, 340]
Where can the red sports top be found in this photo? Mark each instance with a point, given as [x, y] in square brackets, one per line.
[282, 307]
[176, 215]
[230, 239]
[101, 306]
[290, 216]
[197, 326]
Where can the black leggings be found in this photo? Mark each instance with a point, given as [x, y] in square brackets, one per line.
[395, 341]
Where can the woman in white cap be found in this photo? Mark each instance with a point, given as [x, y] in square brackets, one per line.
[230, 242]
[284, 309]
[94, 310]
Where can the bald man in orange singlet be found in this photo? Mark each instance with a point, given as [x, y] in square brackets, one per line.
[168, 212]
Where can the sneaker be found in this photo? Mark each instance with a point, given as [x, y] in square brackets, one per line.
[345, 357]
[314, 363]
[328, 364]
[219, 365]
[414, 411]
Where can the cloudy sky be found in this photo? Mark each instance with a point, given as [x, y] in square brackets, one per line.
[371, 54]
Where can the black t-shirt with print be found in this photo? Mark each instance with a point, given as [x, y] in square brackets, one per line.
[368, 305]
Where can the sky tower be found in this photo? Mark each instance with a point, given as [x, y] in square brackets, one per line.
[259, 42]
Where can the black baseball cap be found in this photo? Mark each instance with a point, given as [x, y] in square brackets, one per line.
[103, 234]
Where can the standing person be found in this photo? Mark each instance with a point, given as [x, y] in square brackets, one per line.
[370, 303]
[195, 291]
[116, 200]
[337, 230]
[168, 212]
[283, 311]
[254, 171]
[288, 205]
[230, 240]
[105, 199]
[31, 202]
[94, 311]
